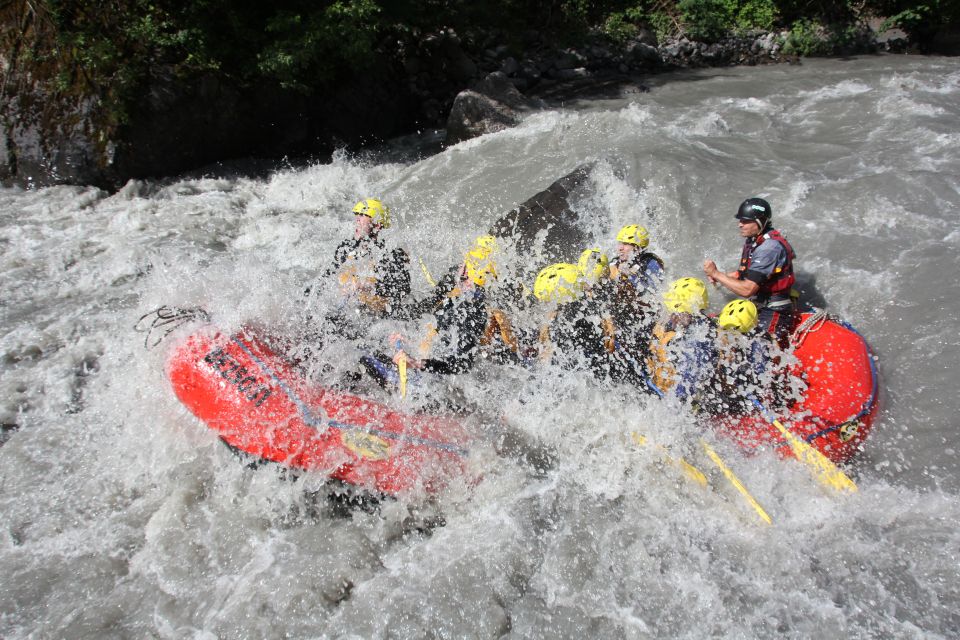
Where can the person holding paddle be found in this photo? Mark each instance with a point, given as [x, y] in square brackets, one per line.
[367, 271]
[460, 316]
[682, 352]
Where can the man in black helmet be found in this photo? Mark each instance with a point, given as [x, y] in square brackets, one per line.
[766, 270]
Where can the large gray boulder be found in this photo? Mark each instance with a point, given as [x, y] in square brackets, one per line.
[491, 105]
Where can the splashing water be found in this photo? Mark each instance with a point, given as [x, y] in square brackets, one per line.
[123, 516]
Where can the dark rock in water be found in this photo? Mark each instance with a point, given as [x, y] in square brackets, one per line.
[493, 104]
[647, 37]
[640, 53]
[548, 211]
[569, 60]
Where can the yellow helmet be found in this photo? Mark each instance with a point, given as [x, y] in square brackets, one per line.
[373, 208]
[479, 260]
[634, 234]
[687, 295]
[738, 314]
[559, 283]
[593, 265]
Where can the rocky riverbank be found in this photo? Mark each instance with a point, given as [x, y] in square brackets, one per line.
[466, 86]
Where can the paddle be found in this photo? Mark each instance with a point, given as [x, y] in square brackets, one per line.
[402, 368]
[426, 273]
[713, 455]
[820, 465]
[688, 469]
[728, 473]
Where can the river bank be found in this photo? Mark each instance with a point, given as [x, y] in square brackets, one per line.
[461, 85]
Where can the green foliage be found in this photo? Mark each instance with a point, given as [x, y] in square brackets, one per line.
[917, 19]
[620, 26]
[663, 24]
[706, 20]
[315, 45]
[109, 49]
[756, 15]
[807, 38]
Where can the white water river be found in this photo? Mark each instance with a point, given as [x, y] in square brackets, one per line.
[121, 515]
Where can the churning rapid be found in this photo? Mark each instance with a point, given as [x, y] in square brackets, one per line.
[123, 516]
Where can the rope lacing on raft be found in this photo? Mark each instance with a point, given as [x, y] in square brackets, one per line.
[808, 326]
[164, 321]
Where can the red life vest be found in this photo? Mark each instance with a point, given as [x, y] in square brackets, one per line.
[782, 278]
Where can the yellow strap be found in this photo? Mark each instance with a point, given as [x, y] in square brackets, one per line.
[499, 323]
[373, 301]
[546, 344]
[662, 371]
[609, 335]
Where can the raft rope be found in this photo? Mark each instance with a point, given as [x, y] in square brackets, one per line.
[164, 321]
[808, 326]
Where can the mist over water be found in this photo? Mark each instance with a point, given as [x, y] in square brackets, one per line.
[123, 516]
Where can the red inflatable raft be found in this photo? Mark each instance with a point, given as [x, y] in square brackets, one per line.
[840, 403]
[258, 404]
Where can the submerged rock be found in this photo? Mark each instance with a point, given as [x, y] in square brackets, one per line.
[491, 105]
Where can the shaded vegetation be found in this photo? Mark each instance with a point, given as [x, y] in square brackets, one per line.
[306, 45]
[95, 59]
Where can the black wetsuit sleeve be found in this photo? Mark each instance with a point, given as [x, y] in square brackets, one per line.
[470, 318]
[436, 296]
[393, 278]
[755, 276]
[340, 255]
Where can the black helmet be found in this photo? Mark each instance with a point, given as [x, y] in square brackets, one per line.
[755, 209]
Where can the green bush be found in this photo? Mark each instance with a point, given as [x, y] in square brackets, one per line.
[663, 24]
[807, 38]
[620, 26]
[307, 47]
[706, 20]
[756, 14]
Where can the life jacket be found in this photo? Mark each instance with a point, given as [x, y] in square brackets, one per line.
[782, 278]
[356, 274]
[499, 324]
[662, 372]
[636, 270]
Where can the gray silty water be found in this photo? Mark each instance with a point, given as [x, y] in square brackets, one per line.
[122, 516]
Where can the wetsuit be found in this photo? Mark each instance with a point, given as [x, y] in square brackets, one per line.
[767, 260]
[741, 364]
[578, 333]
[384, 272]
[460, 322]
[633, 301]
[682, 357]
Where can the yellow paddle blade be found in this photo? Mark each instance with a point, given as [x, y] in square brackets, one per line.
[688, 469]
[426, 274]
[717, 460]
[827, 473]
[402, 365]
